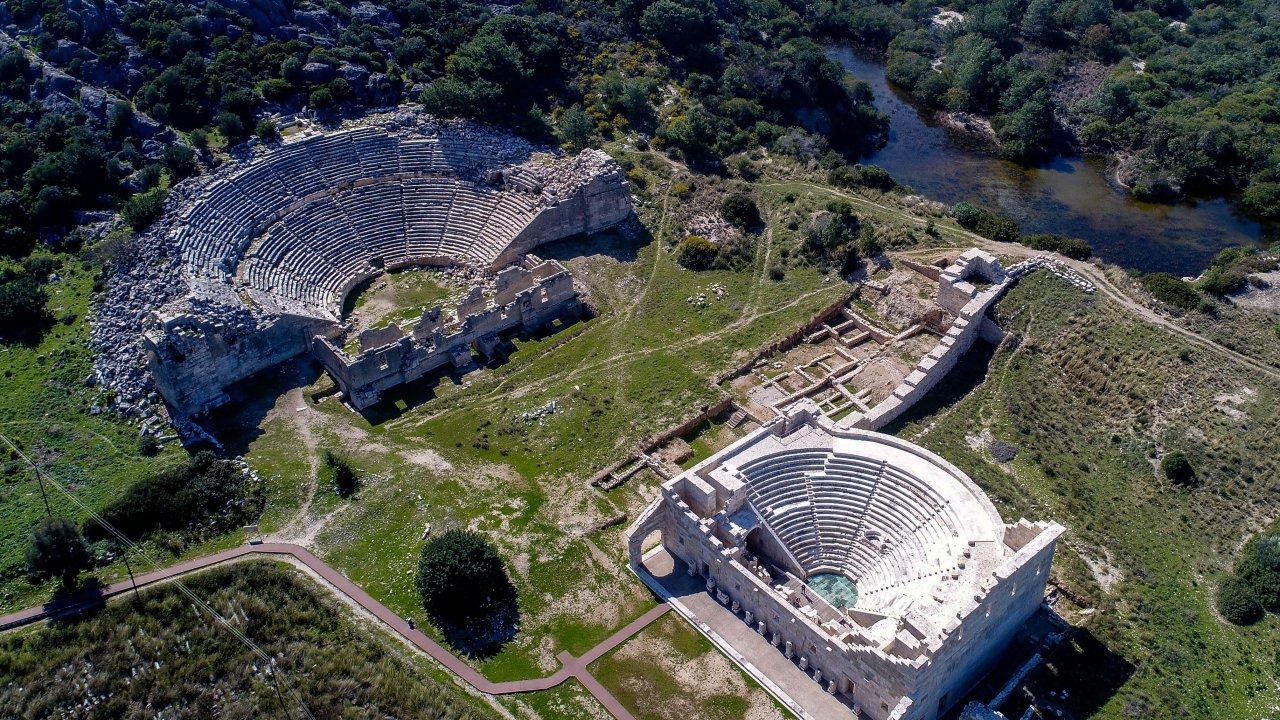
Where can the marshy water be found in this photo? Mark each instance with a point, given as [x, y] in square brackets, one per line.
[1068, 195]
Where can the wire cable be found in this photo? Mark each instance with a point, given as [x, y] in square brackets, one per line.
[175, 580]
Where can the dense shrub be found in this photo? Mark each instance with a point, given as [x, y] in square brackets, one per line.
[832, 239]
[1259, 567]
[1171, 290]
[696, 252]
[1071, 247]
[1237, 602]
[1231, 268]
[205, 492]
[1263, 199]
[22, 307]
[336, 471]
[465, 589]
[1254, 584]
[144, 208]
[985, 223]
[57, 550]
[741, 211]
[1177, 468]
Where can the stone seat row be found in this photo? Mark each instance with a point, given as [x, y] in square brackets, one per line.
[232, 206]
[391, 231]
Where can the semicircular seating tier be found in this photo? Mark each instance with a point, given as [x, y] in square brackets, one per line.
[298, 227]
[891, 519]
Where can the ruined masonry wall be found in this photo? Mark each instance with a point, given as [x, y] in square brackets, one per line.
[970, 307]
[194, 361]
[598, 205]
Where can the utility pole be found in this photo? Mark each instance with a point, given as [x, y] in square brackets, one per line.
[132, 581]
[271, 669]
[35, 468]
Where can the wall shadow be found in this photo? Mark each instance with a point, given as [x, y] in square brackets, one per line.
[1078, 677]
[613, 243]
[239, 422]
[963, 379]
[1074, 679]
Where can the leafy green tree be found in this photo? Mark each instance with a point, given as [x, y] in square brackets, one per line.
[1040, 22]
[678, 24]
[1259, 567]
[463, 582]
[57, 550]
[1177, 468]
[1263, 199]
[231, 127]
[696, 252]
[180, 161]
[23, 307]
[144, 208]
[1237, 603]
[574, 129]
[971, 67]
[266, 130]
[338, 472]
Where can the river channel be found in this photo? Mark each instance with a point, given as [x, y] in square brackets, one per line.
[1067, 195]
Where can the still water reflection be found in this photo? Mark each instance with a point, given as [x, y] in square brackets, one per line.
[1069, 195]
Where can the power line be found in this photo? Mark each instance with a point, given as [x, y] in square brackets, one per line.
[175, 580]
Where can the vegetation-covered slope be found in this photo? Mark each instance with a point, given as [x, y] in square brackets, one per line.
[1093, 400]
[165, 658]
[1185, 92]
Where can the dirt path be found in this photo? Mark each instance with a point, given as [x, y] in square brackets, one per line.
[571, 666]
[297, 529]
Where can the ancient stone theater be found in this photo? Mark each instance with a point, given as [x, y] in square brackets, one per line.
[871, 565]
[252, 264]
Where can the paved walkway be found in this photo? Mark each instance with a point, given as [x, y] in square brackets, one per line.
[781, 676]
[571, 666]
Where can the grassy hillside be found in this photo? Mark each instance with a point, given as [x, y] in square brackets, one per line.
[1092, 399]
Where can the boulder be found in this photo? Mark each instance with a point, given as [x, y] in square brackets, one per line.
[317, 20]
[144, 127]
[114, 15]
[265, 15]
[56, 81]
[56, 102]
[314, 72]
[382, 90]
[96, 72]
[355, 75]
[62, 53]
[95, 102]
[92, 20]
[373, 14]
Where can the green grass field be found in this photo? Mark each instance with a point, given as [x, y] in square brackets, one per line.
[46, 412]
[1090, 397]
[670, 672]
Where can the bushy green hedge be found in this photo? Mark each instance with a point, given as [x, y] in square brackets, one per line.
[1071, 247]
[144, 208]
[204, 492]
[1237, 602]
[1254, 584]
[985, 222]
[696, 252]
[1171, 290]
